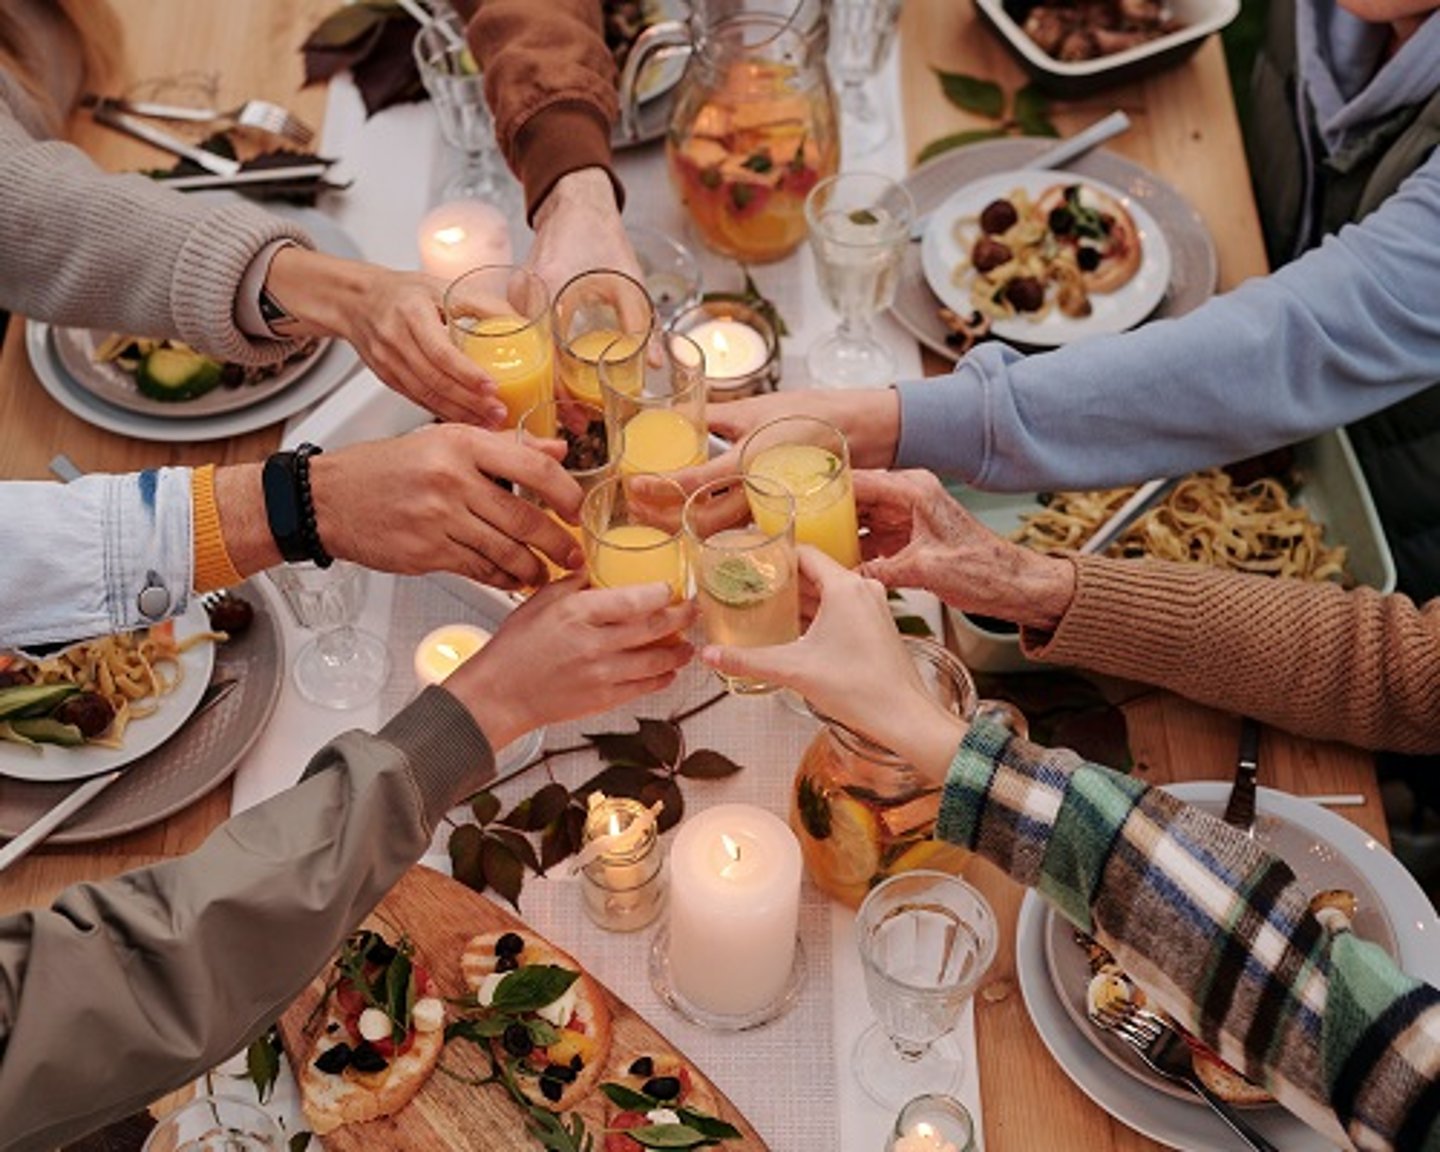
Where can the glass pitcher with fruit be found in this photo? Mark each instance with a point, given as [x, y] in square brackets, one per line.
[860, 812]
[754, 127]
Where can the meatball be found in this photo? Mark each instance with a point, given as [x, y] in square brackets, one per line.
[998, 216]
[988, 254]
[231, 614]
[1025, 294]
[88, 711]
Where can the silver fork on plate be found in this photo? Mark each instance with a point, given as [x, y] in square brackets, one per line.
[262, 115]
[1165, 1051]
[1240, 808]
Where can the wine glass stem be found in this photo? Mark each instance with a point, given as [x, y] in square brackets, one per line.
[855, 327]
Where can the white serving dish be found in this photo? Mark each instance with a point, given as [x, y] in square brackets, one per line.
[1197, 18]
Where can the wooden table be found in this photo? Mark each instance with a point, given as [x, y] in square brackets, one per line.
[1184, 129]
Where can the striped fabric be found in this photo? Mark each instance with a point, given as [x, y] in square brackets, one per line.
[1217, 931]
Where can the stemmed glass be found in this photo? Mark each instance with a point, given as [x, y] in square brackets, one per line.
[926, 940]
[457, 90]
[859, 226]
[343, 666]
[862, 33]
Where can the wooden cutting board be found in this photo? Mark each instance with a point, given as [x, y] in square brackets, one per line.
[441, 915]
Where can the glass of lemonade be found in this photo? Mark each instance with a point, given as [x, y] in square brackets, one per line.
[499, 316]
[746, 577]
[811, 459]
[859, 228]
[590, 453]
[598, 315]
[657, 400]
[631, 532]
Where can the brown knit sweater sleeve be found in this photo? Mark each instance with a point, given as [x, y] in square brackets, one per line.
[1313, 658]
[83, 247]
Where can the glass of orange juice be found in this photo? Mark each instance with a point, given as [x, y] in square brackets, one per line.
[657, 400]
[631, 534]
[598, 315]
[811, 458]
[499, 316]
[590, 454]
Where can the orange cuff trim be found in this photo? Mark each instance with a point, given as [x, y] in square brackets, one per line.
[213, 566]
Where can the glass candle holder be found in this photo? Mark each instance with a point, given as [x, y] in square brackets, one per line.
[932, 1123]
[669, 269]
[622, 881]
[216, 1124]
[741, 349]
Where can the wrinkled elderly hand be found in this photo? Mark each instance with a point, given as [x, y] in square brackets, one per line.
[395, 322]
[611, 644]
[869, 418]
[426, 502]
[578, 229]
[920, 537]
[852, 665]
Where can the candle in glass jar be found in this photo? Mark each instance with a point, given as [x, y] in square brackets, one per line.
[620, 863]
[732, 348]
[922, 1138]
[463, 234]
[734, 909]
[445, 649]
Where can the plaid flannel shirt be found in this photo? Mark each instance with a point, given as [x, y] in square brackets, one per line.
[1216, 930]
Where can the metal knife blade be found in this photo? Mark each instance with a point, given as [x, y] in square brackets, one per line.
[212, 162]
[290, 174]
[1240, 808]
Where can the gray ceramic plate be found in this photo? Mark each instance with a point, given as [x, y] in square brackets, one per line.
[203, 753]
[1193, 264]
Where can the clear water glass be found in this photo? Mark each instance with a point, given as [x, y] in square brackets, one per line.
[343, 666]
[216, 1124]
[859, 228]
[862, 33]
[926, 940]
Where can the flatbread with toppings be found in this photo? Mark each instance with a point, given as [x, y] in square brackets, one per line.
[660, 1094]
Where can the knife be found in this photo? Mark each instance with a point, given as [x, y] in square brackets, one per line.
[1240, 808]
[289, 174]
[112, 117]
[77, 798]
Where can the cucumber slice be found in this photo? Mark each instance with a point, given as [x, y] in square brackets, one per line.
[33, 699]
[177, 373]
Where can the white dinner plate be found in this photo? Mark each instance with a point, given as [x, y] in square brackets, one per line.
[954, 226]
[49, 763]
[1321, 845]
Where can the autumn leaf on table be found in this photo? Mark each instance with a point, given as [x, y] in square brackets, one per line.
[373, 40]
[302, 191]
[1029, 112]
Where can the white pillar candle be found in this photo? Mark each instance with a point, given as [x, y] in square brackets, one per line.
[445, 649]
[731, 348]
[734, 909]
[463, 234]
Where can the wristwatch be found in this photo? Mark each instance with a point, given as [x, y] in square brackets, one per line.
[290, 506]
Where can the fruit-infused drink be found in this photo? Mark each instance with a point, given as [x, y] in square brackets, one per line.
[598, 315]
[580, 360]
[661, 440]
[655, 404]
[633, 536]
[499, 316]
[818, 476]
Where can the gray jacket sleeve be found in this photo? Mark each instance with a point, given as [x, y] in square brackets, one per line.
[123, 990]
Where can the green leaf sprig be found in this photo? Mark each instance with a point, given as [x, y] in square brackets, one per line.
[1029, 113]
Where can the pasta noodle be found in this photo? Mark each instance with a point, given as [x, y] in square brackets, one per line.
[1207, 519]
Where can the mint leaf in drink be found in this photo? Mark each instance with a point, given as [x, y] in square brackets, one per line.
[737, 580]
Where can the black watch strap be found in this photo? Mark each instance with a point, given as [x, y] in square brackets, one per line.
[289, 507]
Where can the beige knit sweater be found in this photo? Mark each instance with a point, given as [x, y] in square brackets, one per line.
[83, 247]
[1312, 658]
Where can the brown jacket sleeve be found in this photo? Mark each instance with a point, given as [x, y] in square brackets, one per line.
[123, 990]
[1312, 658]
[551, 85]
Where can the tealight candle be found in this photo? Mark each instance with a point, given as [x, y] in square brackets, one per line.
[731, 348]
[620, 863]
[445, 649]
[463, 234]
[933, 1123]
[734, 909]
[742, 350]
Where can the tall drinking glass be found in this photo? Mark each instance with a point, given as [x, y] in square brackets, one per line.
[343, 666]
[590, 454]
[811, 459]
[746, 577]
[862, 33]
[598, 315]
[859, 229]
[656, 399]
[632, 534]
[499, 316]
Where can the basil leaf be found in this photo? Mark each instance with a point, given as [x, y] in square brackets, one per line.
[530, 988]
[627, 1099]
[262, 1065]
[667, 1136]
[710, 1126]
[972, 94]
[542, 1032]
[399, 996]
[477, 1030]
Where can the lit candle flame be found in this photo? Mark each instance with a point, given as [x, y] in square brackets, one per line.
[449, 651]
[720, 344]
[924, 1129]
[614, 824]
[732, 848]
[453, 235]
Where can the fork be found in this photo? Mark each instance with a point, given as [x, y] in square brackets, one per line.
[262, 115]
[1165, 1051]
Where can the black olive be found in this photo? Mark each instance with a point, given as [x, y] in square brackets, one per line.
[662, 1087]
[380, 953]
[366, 1058]
[551, 1089]
[88, 711]
[644, 1066]
[232, 375]
[998, 216]
[517, 1039]
[333, 1026]
[334, 1060]
[510, 944]
[988, 254]
[1061, 221]
[1025, 293]
[1088, 258]
[562, 1072]
[506, 963]
[577, 1063]
[231, 615]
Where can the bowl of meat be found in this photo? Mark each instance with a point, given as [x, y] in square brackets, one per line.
[1076, 47]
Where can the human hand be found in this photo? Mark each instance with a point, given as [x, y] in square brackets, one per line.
[920, 537]
[426, 502]
[578, 229]
[852, 666]
[611, 645]
[395, 322]
[869, 419]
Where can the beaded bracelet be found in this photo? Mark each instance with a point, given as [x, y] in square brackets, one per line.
[309, 529]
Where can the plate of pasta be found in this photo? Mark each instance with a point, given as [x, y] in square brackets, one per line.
[1048, 257]
[152, 680]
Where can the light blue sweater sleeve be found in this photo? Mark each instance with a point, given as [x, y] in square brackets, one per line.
[75, 558]
[1348, 329]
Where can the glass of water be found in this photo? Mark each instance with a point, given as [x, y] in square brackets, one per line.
[926, 940]
[343, 666]
[216, 1124]
[862, 32]
[859, 226]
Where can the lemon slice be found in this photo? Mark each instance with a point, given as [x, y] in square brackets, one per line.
[934, 854]
[850, 855]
